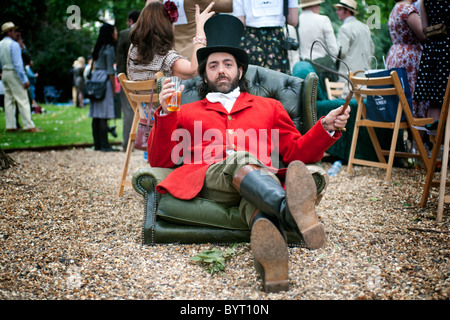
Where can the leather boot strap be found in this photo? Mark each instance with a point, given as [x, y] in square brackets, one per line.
[240, 175]
[250, 223]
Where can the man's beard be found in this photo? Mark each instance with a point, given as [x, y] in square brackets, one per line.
[223, 87]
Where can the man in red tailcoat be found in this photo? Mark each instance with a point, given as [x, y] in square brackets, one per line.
[223, 145]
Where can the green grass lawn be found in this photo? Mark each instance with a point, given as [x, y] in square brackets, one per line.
[62, 125]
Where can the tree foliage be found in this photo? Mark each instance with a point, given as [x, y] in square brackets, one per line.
[54, 46]
[52, 43]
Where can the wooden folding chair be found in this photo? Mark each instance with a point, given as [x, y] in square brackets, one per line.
[334, 89]
[390, 85]
[137, 92]
[441, 137]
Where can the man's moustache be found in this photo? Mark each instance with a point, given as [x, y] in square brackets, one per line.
[222, 77]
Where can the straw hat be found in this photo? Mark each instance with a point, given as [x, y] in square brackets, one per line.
[8, 26]
[347, 4]
[309, 3]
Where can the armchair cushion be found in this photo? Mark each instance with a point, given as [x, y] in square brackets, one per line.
[171, 220]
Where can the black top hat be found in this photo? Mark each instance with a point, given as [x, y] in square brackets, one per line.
[223, 34]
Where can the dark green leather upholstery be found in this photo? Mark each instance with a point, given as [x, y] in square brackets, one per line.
[170, 220]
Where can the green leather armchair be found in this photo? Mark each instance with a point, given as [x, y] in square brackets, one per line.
[171, 220]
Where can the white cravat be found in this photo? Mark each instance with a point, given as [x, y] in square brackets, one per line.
[226, 99]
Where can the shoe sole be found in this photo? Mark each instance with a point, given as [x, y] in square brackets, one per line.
[301, 192]
[270, 253]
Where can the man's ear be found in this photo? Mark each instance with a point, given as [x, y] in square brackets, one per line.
[241, 70]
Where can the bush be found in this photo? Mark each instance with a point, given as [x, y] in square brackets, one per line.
[53, 51]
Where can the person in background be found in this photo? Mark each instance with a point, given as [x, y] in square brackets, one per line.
[152, 41]
[32, 77]
[123, 45]
[104, 56]
[87, 68]
[407, 36]
[312, 27]
[354, 40]
[78, 81]
[15, 81]
[185, 27]
[2, 93]
[264, 32]
[434, 67]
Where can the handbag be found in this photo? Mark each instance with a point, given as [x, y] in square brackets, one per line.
[384, 108]
[144, 128]
[95, 90]
[436, 30]
[143, 132]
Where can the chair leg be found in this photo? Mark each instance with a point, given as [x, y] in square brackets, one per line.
[429, 179]
[443, 180]
[443, 120]
[421, 148]
[352, 150]
[354, 142]
[393, 145]
[123, 179]
[130, 146]
[376, 144]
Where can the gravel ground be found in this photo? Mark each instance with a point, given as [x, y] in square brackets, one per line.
[64, 234]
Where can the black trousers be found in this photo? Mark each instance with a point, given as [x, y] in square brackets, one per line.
[100, 133]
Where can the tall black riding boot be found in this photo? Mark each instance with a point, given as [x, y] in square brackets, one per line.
[294, 208]
[270, 252]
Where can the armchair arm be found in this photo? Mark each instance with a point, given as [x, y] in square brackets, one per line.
[144, 181]
[321, 179]
[309, 98]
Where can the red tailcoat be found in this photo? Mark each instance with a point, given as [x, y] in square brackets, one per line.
[201, 133]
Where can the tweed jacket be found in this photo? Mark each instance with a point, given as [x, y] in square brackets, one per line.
[356, 44]
[203, 133]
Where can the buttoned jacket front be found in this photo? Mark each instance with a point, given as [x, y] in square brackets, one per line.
[203, 133]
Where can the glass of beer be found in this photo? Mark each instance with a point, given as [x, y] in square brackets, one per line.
[173, 102]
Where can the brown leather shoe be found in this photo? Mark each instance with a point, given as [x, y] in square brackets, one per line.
[34, 130]
[270, 254]
[12, 130]
[301, 193]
